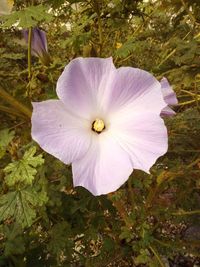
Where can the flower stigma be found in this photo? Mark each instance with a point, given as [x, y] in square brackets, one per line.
[98, 125]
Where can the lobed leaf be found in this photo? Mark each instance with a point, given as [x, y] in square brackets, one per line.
[20, 205]
[24, 169]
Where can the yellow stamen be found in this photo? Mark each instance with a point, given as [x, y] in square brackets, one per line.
[98, 125]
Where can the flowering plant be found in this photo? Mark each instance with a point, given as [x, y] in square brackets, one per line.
[97, 188]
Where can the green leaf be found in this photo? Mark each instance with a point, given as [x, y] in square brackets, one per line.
[24, 169]
[6, 137]
[20, 205]
[143, 258]
[29, 17]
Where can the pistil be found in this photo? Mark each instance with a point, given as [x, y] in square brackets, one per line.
[98, 125]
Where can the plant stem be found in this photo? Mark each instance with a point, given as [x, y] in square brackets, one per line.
[187, 92]
[188, 102]
[182, 213]
[157, 256]
[126, 58]
[15, 103]
[29, 52]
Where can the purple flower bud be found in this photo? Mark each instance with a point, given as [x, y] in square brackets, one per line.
[38, 44]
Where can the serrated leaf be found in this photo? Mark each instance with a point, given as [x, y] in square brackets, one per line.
[31, 159]
[20, 205]
[24, 169]
[29, 17]
[6, 137]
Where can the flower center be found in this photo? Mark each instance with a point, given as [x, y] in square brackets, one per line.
[98, 125]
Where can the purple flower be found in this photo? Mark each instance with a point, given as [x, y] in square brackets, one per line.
[169, 97]
[106, 123]
[38, 44]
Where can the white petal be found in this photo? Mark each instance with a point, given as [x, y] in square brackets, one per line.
[58, 132]
[82, 84]
[137, 88]
[143, 137]
[105, 167]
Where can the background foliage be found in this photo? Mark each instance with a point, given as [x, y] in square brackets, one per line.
[153, 220]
